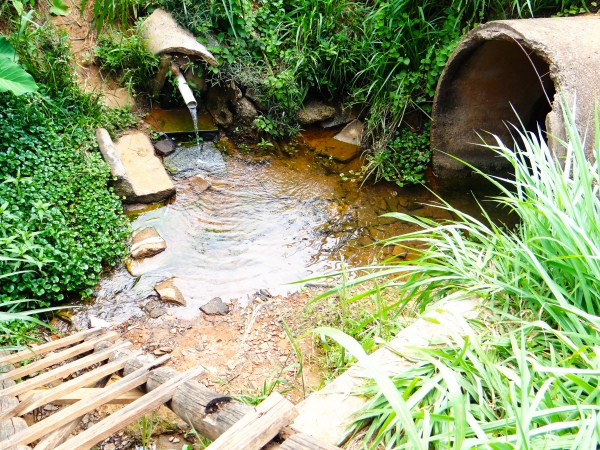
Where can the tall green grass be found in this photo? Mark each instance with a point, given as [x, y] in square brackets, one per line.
[527, 374]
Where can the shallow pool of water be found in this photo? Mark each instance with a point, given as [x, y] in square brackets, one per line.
[265, 223]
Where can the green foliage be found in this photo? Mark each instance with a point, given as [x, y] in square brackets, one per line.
[12, 77]
[113, 11]
[385, 56]
[123, 55]
[403, 160]
[527, 375]
[55, 202]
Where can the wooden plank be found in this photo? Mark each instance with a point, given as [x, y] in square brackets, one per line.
[209, 412]
[82, 407]
[82, 393]
[256, 429]
[55, 358]
[41, 398]
[303, 441]
[64, 370]
[38, 350]
[128, 414]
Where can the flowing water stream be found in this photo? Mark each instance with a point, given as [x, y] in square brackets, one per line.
[264, 223]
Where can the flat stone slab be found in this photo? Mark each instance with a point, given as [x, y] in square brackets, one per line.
[146, 243]
[161, 34]
[140, 175]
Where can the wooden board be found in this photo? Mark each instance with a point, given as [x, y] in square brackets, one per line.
[38, 350]
[82, 393]
[52, 359]
[256, 429]
[303, 441]
[129, 413]
[82, 407]
[64, 370]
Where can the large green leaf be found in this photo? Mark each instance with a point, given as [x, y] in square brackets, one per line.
[6, 49]
[59, 8]
[14, 78]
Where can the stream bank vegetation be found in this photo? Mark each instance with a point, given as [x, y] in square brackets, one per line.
[60, 223]
[525, 374]
[383, 58]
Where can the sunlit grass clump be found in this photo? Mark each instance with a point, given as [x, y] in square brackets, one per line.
[527, 374]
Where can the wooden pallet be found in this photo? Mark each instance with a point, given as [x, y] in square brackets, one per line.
[74, 372]
[87, 358]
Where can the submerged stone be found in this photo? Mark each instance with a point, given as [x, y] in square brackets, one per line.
[351, 133]
[147, 242]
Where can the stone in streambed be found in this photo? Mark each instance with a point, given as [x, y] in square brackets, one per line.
[168, 292]
[140, 176]
[351, 133]
[164, 147]
[199, 184]
[314, 112]
[215, 306]
[147, 242]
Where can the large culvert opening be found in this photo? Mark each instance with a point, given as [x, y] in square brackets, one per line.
[483, 91]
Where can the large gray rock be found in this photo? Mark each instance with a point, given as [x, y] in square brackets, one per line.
[245, 111]
[505, 67]
[140, 176]
[215, 307]
[314, 112]
[161, 34]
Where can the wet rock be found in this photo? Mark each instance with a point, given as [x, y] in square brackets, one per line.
[165, 147]
[161, 34]
[314, 112]
[168, 292]
[255, 98]
[147, 242]
[214, 307]
[140, 176]
[218, 103]
[154, 308]
[199, 184]
[341, 117]
[351, 133]
[245, 111]
[218, 109]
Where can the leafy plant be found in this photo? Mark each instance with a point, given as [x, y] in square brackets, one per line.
[12, 76]
[113, 11]
[527, 375]
[122, 54]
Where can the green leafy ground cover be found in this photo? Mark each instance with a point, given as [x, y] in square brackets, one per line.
[60, 223]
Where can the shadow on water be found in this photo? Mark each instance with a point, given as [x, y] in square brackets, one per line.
[264, 223]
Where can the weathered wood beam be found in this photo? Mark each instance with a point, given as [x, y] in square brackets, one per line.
[257, 428]
[210, 413]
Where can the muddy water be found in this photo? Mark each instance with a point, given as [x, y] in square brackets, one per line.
[264, 223]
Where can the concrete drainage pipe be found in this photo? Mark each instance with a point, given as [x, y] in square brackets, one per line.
[507, 66]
